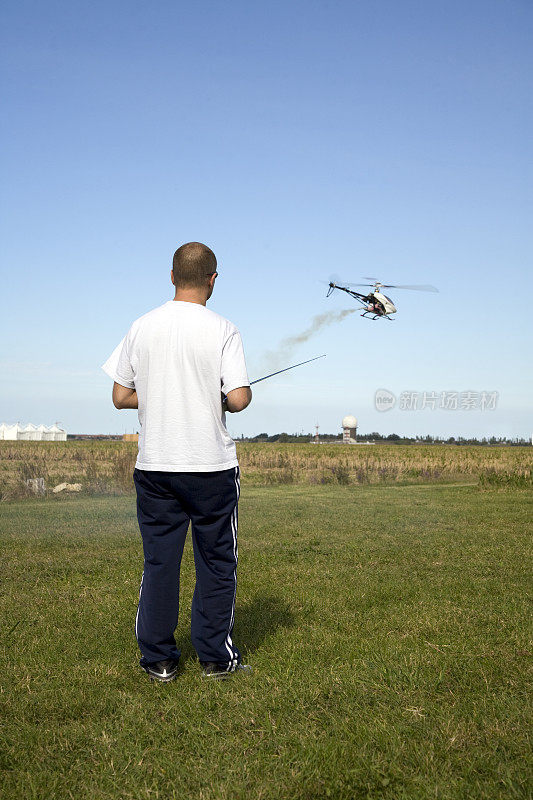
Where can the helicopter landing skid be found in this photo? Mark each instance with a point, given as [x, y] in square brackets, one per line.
[377, 316]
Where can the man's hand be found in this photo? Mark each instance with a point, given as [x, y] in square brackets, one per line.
[123, 397]
[237, 400]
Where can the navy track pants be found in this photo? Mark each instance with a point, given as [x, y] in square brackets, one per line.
[166, 503]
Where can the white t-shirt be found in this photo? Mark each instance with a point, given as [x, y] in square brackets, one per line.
[179, 358]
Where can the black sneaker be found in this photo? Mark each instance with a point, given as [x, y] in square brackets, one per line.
[162, 670]
[221, 671]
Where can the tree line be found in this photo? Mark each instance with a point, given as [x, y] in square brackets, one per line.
[391, 438]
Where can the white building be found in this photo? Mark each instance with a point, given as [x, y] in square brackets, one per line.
[8, 431]
[32, 433]
[58, 433]
[349, 429]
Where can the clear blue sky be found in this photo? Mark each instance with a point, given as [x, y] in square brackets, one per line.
[297, 139]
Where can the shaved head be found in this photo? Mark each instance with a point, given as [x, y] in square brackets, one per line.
[192, 265]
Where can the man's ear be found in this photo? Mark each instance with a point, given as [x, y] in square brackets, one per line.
[212, 280]
[172, 277]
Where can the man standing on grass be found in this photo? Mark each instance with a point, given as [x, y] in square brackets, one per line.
[183, 366]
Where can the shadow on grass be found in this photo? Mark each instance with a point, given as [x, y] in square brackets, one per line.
[260, 619]
[254, 623]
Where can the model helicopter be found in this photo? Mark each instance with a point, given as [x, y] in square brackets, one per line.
[375, 303]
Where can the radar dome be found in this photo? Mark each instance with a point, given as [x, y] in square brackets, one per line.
[349, 422]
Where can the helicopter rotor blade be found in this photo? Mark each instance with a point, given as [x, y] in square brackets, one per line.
[416, 287]
[337, 281]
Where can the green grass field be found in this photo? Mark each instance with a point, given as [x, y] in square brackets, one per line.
[387, 627]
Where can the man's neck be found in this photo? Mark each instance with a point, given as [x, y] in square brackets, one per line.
[190, 296]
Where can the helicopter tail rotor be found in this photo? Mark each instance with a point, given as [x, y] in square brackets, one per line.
[331, 284]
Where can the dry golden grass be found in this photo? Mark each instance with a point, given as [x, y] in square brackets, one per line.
[107, 466]
[381, 463]
[100, 466]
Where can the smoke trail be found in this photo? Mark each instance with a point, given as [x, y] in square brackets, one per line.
[283, 352]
